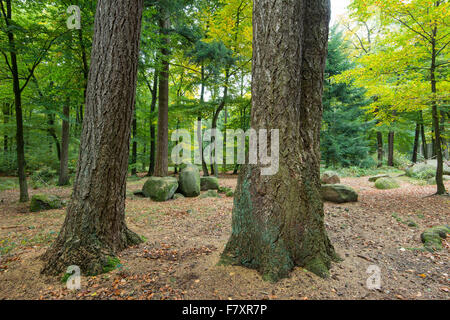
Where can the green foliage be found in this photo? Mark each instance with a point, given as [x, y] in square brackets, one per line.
[362, 172]
[8, 184]
[343, 132]
[43, 177]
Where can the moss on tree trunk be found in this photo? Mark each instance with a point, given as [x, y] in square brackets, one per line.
[94, 230]
[278, 220]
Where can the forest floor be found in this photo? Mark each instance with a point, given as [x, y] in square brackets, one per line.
[185, 237]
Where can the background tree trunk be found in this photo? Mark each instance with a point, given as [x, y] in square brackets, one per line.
[380, 148]
[94, 230]
[215, 167]
[162, 147]
[278, 221]
[436, 120]
[423, 138]
[416, 143]
[64, 157]
[391, 137]
[199, 124]
[154, 91]
[20, 144]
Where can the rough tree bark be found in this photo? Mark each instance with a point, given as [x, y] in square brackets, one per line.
[162, 146]
[94, 230]
[278, 220]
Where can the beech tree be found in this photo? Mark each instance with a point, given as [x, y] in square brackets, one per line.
[407, 67]
[94, 230]
[278, 220]
[15, 49]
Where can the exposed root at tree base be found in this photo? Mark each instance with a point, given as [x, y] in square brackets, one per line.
[274, 267]
[92, 256]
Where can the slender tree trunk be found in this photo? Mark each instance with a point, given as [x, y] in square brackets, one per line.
[64, 157]
[380, 148]
[200, 145]
[423, 137]
[162, 147]
[94, 230]
[416, 143]
[154, 91]
[278, 220]
[391, 137]
[18, 107]
[199, 124]
[436, 120]
[216, 118]
[225, 122]
[444, 146]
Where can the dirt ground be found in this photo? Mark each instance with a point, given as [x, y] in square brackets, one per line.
[185, 237]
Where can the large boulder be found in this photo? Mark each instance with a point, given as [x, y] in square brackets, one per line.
[330, 177]
[209, 183]
[189, 181]
[379, 176]
[42, 202]
[160, 189]
[338, 193]
[386, 183]
[432, 237]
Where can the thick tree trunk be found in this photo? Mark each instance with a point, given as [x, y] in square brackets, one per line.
[64, 157]
[380, 148]
[94, 230]
[18, 108]
[162, 146]
[391, 137]
[278, 220]
[416, 143]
